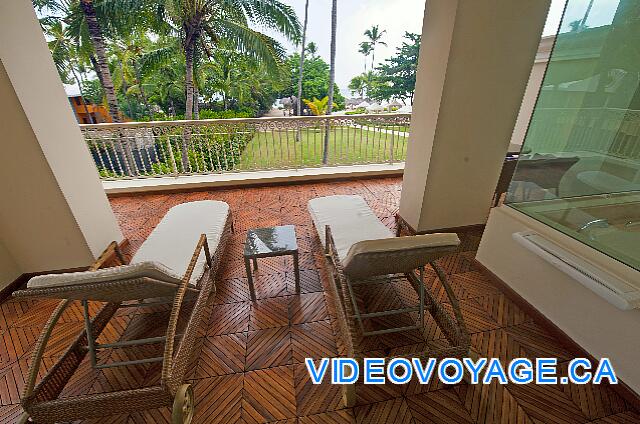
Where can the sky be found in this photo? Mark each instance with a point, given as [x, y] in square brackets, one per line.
[396, 17]
[355, 16]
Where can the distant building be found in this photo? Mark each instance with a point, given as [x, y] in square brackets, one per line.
[86, 112]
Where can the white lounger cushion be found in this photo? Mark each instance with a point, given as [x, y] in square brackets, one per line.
[399, 254]
[174, 240]
[124, 272]
[350, 218]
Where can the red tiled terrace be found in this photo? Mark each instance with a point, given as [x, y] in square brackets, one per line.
[249, 367]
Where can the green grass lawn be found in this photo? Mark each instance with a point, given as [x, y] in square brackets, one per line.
[399, 128]
[347, 145]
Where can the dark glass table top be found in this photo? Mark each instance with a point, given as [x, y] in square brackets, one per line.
[270, 241]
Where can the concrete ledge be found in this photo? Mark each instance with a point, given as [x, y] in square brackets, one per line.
[191, 182]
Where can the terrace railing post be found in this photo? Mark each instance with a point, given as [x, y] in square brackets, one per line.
[124, 150]
[185, 143]
[172, 159]
[391, 146]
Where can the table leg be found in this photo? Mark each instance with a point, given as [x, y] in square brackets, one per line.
[296, 271]
[252, 290]
[255, 264]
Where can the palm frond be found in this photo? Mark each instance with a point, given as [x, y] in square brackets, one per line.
[252, 43]
[270, 14]
[153, 60]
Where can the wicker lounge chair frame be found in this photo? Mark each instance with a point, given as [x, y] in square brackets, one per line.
[41, 402]
[454, 329]
[386, 279]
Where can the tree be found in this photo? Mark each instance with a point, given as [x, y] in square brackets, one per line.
[375, 38]
[318, 107]
[130, 58]
[396, 78]
[166, 86]
[84, 24]
[365, 49]
[312, 49]
[332, 76]
[241, 82]
[315, 81]
[102, 65]
[205, 23]
[302, 48]
[358, 85]
[65, 57]
[363, 84]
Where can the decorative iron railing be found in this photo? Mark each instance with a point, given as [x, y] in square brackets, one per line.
[161, 148]
[607, 131]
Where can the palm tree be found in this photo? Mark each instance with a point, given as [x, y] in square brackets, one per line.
[128, 54]
[312, 49]
[99, 48]
[207, 22]
[84, 26]
[358, 85]
[375, 36]
[304, 40]
[65, 57]
[365, 49]
[332, 77]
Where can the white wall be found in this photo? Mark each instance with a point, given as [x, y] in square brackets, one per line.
[55, 214]
[9, 269]
[475, 62]
[592, 322]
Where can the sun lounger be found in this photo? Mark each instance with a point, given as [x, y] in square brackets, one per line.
[362, 252]
[165, 270]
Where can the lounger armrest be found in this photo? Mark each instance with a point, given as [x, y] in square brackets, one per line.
[202, 244]
[167, 364]
[397, 255]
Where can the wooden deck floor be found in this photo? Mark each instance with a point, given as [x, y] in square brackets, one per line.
[248, 367]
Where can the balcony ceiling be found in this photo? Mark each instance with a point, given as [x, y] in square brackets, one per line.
[249, 367]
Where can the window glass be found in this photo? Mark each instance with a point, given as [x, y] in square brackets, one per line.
[579, 168]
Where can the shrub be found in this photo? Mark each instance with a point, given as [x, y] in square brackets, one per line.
[357, 111]
[206, 114]
[209, 150]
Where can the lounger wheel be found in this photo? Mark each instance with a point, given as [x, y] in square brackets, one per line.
[183, 405]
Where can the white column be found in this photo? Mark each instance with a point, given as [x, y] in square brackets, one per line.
[54, 214]
[475, 61]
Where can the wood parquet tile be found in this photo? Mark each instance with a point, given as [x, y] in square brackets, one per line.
[268, 395]
[268, 348]
[248, 366]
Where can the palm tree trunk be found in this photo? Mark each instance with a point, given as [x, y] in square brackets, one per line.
[188, 81]
[332, 78]
[196, 106]
[189, 53]
[102, 69]
[96, 68]
[304, 40]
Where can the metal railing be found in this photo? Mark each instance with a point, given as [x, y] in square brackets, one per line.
[607, 131]
[161, 148]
